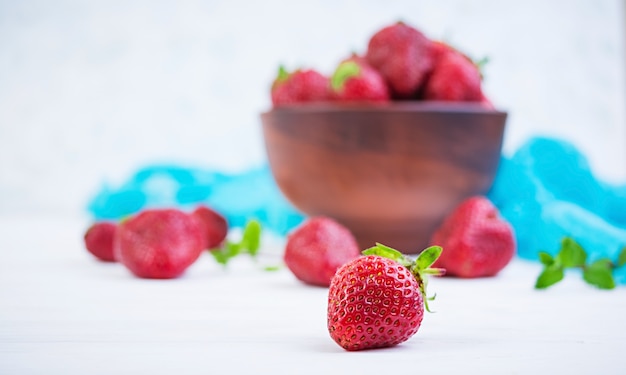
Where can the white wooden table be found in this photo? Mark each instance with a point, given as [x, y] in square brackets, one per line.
[63, 312]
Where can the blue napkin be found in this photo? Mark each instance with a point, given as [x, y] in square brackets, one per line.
[546, 190]
[239, 197]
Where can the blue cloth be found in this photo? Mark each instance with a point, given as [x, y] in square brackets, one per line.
[546, 190]
[239, 197]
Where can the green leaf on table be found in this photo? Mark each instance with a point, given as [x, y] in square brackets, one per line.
[599, 274]
[571, 254]
[549, 276]
[220, 255]
[272, 268]
[251, 237]
[232, 249]
[545, 258]
[621, 259]
[249, 243]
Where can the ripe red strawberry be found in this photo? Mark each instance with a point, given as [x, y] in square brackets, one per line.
[301, 86]
[316, 249]
[403, 55]
[159, 243]
[354, 80]
[486, 102]
[455, 77]
[378, 300]
[99, 240]
[214, 226]
[477, 241]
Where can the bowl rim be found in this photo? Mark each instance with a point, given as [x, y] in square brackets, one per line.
[429, 106]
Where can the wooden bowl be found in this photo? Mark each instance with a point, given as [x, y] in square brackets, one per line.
[390, 173]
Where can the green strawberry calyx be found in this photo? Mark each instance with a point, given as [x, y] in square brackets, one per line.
[420, 267]
[344, 71]
[282, 76]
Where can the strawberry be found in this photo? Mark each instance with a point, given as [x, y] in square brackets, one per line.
[99, 240]
[301, 86]
[486, 102]
[355, 80]
[477, 240]
[378, 300]
[316, 249]
[159, 243]
[403, 55]
[214, 226]
[455, 77]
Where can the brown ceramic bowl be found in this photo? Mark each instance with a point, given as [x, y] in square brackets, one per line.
[390, 173]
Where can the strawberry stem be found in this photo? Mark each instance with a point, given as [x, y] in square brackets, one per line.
[420, 268]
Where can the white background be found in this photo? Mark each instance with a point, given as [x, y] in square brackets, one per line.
[91, 91]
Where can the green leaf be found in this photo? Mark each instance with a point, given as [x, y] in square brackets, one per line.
[602, 263]
[388, 252]
[251, 238]
[545, 258]
[272, 268]
[599, 274]
[427, 257]
[250, 243]
[621, 259]
[571, 254]
[232, 249]
[550, 276]
[220, 256]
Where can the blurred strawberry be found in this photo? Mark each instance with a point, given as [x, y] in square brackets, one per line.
[159, 243]
[486, 102]
[476, 241]
[316, 249]
[214, 226]
[99, 240]
[439, 49]
[300, 86]
[455, 77]
[355, 80]
[403, 55]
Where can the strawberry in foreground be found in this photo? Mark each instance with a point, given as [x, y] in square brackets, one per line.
[403, 55]
[301, 86]
[316, 249]
[159, 243]
[99, 240]
[214, 226]
[355, 80]
[378, 300]
[455, 77]
[478, 242]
